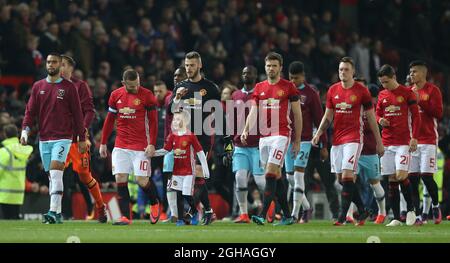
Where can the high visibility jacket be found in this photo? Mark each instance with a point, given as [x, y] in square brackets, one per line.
[13, 162]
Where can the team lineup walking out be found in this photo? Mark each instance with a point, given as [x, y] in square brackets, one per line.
[276, 123]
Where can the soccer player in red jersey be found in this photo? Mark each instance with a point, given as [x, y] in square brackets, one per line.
[81, 161]
[55, 103]
[274, 98]
[347, 101]
[184, 144]
[134, 108]
[397, 111]
[424, 160]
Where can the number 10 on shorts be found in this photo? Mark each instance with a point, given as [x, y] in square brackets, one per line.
[143, 166]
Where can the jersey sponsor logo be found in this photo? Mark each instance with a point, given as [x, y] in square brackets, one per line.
[203, 92]
[42, 92]
[392, 108]
[61, 93]
[136, 102]
[343, 106]
[192, 101]
[179, 153]
[184, 143]
[353, 98]
[126, 113]
[400, 99]
[271, 103]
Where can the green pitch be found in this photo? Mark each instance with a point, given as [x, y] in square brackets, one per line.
[143, 231]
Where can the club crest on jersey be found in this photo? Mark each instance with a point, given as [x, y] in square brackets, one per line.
[280, 93]
[392, 108]
[343, 106]
[184, 143]
[127, 110]
[203, 92]
[353, 98]
[61, 93]
[400, 99]
[303, 98]
[136, 102]
[425, 97]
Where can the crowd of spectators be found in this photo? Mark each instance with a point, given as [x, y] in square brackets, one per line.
[152, 36]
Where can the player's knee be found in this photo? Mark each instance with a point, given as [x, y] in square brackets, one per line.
[297, 189]
[56, 165]
[348, 174]
[290, 178]
[142, 180]
[401, 175]
[299, 169]
[121, 178]
[241, 180]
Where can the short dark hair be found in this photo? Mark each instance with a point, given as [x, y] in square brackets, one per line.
[296, 67]
[360, 79]
[10, 130]
[130, 74]
[386, 70]
[181, 69]
[274, 56]
[348, 60]
[418, 63]
[192, 55]
[69, 60]
[160, 83]
[55, 55]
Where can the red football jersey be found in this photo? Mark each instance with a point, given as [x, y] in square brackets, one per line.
[370, 144]
[184, 147]
[431, 110]
[399, 107]
[133, 123]
[275, 97]
[349, 106]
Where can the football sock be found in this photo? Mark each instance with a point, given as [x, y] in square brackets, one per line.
[124, 199]
[432, 188]
[394, 196]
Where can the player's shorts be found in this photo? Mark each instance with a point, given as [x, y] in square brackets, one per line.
[302, 157]
[80, 161]
[183, 183]
[56, 150]
[369, 167]
[423, 160]
[273, 149]
[247, 158]
[395, 158]
[168, 163]
[345, 157]
[126, 161]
